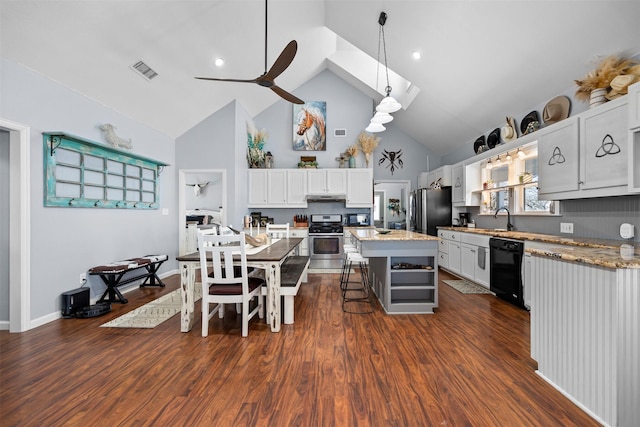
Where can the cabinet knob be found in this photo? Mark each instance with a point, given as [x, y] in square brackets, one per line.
[580, 182]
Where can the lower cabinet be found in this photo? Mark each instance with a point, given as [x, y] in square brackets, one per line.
[303, 233]
[413, 284]
[466, 255]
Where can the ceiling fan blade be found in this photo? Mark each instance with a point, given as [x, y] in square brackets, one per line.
[228, 80]
[283, 61]
[286, 95]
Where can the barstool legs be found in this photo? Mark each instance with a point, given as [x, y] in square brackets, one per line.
[361, 303]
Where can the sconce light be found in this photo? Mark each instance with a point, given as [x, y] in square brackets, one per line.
[489, 165]
[508, 158]
[498, 161]
[521, 154]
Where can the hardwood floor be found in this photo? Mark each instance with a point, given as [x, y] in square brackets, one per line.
[466, 365]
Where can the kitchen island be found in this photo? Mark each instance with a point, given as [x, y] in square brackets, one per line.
[403, 268]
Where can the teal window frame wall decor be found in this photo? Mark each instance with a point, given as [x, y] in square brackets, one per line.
[80, 173]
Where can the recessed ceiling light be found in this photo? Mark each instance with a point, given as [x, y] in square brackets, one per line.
[416, 55]
[219, 62]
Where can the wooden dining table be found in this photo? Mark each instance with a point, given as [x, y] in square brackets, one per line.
[269, 259]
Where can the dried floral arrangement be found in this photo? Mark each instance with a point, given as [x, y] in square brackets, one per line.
[600, 78]
[255, 145]
[368, 143]
[352, 151]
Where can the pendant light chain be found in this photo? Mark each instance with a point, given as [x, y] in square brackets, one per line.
[384, 47]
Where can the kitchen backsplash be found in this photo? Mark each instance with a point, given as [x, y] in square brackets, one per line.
[281, 216]
[598, 218]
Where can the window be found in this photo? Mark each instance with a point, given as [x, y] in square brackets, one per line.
[513, 183]
[81, 173]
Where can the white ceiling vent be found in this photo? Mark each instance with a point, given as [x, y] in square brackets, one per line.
[144, 70]
[339, 132]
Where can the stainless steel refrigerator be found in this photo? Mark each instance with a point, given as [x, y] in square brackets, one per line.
[430, 208]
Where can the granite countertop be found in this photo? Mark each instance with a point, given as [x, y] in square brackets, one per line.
[605, 253]
[372, 234]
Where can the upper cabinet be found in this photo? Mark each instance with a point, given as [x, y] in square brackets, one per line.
[289, 188]
[634, 106]
[634, 139]
[359, 188]
[277, 188]
[586, 155]
[604, 146]
[558, 157]
[441, 175]
[326, 181]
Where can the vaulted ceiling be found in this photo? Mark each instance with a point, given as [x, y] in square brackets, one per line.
[480, 59]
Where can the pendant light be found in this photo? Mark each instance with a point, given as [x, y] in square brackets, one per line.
[381, 118]
[388, 103]
[375, 127]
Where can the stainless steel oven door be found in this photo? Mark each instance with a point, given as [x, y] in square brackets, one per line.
[325, 250]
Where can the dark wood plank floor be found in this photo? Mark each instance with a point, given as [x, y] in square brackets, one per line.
[466, 365]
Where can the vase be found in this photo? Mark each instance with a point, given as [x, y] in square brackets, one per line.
[597, 97]
[352, 162]
[367, 158]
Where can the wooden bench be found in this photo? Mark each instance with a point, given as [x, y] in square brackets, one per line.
[292, 273]
[113, 275]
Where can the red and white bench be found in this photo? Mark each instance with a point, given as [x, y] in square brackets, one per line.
[113, 275]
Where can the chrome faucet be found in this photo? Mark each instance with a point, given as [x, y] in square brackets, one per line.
[509, 225]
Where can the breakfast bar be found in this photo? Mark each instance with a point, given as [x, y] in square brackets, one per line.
[403, 268]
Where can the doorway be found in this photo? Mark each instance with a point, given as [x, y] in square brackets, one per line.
[394, 198]
[19, 225]
[202, 192]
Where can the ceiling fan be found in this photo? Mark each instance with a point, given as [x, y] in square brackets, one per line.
[268, 78]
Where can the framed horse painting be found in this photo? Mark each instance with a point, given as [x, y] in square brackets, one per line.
[309, 129]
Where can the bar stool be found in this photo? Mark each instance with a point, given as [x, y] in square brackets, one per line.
[346, 249]
[361, 303]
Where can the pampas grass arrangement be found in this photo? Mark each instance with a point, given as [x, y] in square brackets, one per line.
[601, 77]
[368, 143]
[352, 151]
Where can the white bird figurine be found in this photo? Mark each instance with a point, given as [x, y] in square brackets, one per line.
[109, 132]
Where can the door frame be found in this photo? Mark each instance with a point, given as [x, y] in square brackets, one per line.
[19, 225]
[182, 187]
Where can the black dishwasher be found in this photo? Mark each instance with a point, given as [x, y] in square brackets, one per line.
[506, 269]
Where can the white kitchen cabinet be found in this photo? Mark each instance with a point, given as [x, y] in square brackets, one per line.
[604, 146]
[296, 188]
[634, 106]
[474, 258]
[449, 250]
[277, 188]
[258, 187]
[457, 182]
[455, 254]
[359, 188]
[303, 233]
[558, 157]
[468, 257]
[443, 173]
[326, 181]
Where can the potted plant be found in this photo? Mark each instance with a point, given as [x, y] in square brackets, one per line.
[525, 177]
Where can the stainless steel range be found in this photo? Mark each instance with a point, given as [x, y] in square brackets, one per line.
[325, 241]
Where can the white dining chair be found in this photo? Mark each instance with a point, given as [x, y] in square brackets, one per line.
[227, 284]
[279, 231]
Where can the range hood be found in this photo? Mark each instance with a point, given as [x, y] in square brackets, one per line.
[326, 197]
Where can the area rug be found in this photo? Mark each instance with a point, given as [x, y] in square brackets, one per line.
[151, 314]
[466, 287]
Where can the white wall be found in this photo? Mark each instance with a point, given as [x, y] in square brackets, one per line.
[69, 241]
[4, 226]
